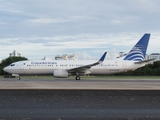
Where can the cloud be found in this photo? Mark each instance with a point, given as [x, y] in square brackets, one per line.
[94, 45]
[116, 22]
[46, 21]
[3, 23]
[45, 28]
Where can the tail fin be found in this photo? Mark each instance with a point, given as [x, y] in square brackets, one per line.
[138, 52]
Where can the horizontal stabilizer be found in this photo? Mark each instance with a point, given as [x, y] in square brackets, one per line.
[145, 61]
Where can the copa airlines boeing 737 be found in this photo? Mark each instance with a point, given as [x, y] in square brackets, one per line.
[65, 68]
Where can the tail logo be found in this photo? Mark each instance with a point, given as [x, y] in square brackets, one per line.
[138, 52]
[135, 55]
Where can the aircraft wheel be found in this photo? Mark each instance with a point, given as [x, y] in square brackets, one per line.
[18, 78]
[78, 77]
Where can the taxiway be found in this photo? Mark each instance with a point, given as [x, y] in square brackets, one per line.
[71, 84]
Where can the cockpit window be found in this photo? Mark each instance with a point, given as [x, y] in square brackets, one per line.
[12, 64]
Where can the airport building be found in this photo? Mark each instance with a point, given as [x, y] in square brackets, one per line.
[46, 58]
[66, 57]
[121, 54]
[14, 54]
[155, 56]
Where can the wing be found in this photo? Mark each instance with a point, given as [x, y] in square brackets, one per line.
[84, 68]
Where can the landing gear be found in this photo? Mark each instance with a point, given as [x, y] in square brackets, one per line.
[18, 78]
[78, 78]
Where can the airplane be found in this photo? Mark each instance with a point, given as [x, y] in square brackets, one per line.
[65, 68]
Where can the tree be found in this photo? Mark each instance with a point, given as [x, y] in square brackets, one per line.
[8, 61]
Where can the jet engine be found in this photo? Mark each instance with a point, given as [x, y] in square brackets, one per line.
[60, 73]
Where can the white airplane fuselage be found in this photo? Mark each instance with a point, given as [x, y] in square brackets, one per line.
[48, 67]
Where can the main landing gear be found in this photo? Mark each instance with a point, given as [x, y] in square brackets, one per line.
[19, 78]
[78, 78]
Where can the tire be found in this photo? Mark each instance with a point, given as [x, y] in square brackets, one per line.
[78, 77]
[18, 78]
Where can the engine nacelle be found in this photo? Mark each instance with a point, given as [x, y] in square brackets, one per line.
[60, 73]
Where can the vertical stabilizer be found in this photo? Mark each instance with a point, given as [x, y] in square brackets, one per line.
[138, 52]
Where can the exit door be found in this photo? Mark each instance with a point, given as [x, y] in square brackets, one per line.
[22, 66]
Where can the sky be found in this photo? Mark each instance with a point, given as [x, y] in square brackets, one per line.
[87, 28]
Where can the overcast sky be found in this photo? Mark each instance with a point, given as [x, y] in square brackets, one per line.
[88, 28]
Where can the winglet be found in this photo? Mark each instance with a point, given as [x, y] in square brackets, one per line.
[102, 58]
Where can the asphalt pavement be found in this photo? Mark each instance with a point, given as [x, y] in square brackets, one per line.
[84, 84]
[79, 104]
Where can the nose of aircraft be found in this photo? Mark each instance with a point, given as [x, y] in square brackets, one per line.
[5, 69]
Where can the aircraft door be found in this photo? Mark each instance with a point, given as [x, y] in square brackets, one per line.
[22, 66]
